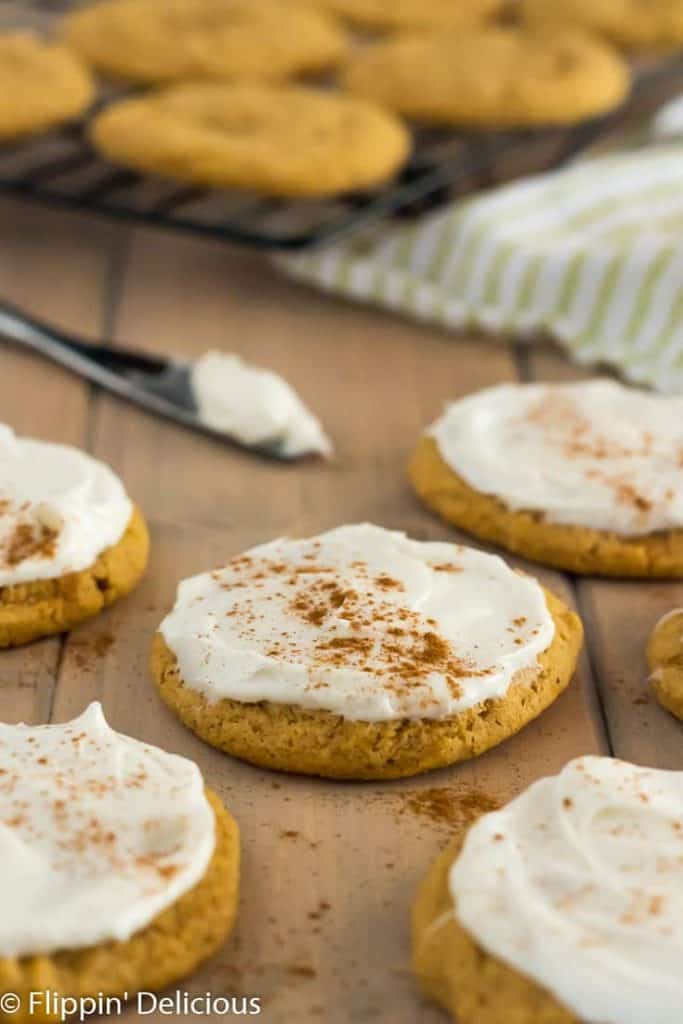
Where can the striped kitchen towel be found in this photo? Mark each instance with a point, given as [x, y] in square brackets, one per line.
[591, 255]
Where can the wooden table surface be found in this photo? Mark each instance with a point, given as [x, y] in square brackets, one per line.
[329, 870]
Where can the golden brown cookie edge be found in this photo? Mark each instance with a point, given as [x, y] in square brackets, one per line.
[575, 549]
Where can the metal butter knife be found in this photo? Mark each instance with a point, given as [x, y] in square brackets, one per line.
[159, 385]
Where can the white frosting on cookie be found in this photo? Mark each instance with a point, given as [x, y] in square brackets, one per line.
[594, 454]
[98, 834]
[360, 621]
[59, 509]
[578, 884]
[254, 405]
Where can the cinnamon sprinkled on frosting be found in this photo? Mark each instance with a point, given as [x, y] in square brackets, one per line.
[594, 454]
[406, 645]
[361, 621]
[59, 509]
[98, 834]
[28, 540]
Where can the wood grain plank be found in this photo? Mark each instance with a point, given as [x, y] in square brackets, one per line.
[53, 265]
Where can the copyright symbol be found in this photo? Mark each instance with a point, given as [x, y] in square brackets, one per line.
[10, 1002]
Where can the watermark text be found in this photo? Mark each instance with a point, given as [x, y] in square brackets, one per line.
[58, 1007]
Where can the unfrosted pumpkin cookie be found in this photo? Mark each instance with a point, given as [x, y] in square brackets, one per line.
[119, 870]
[496, 77]
[413, 14]
[362, 654]
[42, 85]
[280, 140]
[71, 541]
[665, 658]
[649, 24]
[585, 477]
[564, 907]
[157, 42]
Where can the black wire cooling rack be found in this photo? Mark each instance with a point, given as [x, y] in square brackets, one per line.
[62, 169]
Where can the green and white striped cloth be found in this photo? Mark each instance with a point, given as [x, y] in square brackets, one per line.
[591, 255]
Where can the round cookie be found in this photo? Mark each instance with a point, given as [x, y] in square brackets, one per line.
[150, 42]
[364, 691]
[511, 923]
[71, 541]
[514, 465]
[51, 83]
[168, 948]
[665, 658]
[656, 24]
[279, 140]
[395, 15]
[498, 77]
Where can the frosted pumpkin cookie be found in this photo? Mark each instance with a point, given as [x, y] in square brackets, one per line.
[151, 42]
[362, 654]
[653, 24]
[413, 14]
[565, 907]
[665, 658]
[119, 870]
[494, 77]
[71, 542]
[280, 140]
[41, 85]
[585, 477]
